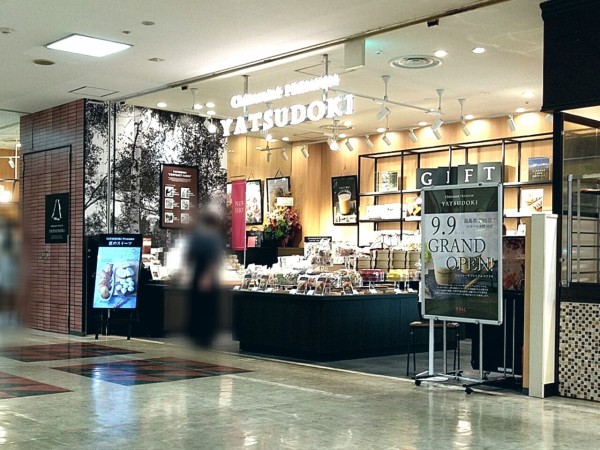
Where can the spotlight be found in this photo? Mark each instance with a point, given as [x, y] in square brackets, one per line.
[269, 137]
[520, 110]
[412, 136]
[380, 130]
[284, 155]
[304, 151]
[210, 127]
[437, 134]
[349, 146]
[478, 50]
[440, 53]
[469, 117]
[11, 163]
[437, 124]
[210, 105]
[386, 140]
[383, 113]
[549, 118]
[465, 129]
[511, 124]
[369, 142]
[269, 156]
[333, 145]
[198, 106]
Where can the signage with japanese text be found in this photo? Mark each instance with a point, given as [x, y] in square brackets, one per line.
[238, 215]
[178, 196]
[57, 218]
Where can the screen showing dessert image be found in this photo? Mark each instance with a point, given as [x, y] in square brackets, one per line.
[344, 200]
[117, 272]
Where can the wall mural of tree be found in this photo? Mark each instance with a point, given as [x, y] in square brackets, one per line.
[145, 139]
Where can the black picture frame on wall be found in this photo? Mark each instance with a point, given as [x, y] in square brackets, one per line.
[277, 187]
[344, 200]
[254, 202]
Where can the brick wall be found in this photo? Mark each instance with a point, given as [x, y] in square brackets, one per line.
[52, 283]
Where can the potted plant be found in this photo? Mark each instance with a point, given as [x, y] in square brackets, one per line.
[283, 224]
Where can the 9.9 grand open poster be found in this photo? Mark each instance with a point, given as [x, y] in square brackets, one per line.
[462, 254]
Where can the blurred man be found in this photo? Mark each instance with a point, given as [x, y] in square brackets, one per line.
[204, 260]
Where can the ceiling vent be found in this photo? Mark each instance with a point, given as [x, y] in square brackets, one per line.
[338, 127]
[415, 62]
[90, 91]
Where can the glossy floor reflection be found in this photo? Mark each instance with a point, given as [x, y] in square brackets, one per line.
[274, 406]
[55, 352]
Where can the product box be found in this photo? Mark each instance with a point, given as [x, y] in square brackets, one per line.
[532, 200]
[539, 168]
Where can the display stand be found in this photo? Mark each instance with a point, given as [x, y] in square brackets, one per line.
[104, 321]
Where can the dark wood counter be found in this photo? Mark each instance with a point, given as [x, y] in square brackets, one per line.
[324, 327]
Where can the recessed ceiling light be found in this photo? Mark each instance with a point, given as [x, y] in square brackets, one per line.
[85, 45]
[210, 112]
[148, 23]
[161, 104]
[478, 50]
[43, 62]
[423, 123]
[484, 93]
[380, 130]
[346, 123]
[198, 106]
[440, 53]
[285, 138]
[210, 105]
[469, 117]
[342, 135]
[528, 94]
[520, 110]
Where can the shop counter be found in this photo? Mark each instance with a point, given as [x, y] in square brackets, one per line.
[325, 327]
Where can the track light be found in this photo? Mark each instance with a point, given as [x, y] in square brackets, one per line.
[284, 155]
[383, 113]
[269, 156]
[333, 145]
[210, 126]
[437, 134]
[349, 146]
[11, 163]
[386, 140]
[465, 129]
[437, 123]
[511, 124]
[412, 136]
[304, 151]
[369, 142]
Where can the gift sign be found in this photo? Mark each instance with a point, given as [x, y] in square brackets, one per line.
[238, 215]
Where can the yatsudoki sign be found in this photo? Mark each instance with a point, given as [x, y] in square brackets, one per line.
[462, 253]
[328, 108]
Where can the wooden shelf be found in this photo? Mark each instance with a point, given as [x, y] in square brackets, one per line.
[518, 184]
[377, 194]
[406, 219]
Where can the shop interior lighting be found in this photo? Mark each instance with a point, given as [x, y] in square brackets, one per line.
[210, 112]
[384, 112]
[342, 135]
[349, 146]
[437, 123]
[511, 124]
[463, 122]
[440, 53]
[268, 156]
[347, 123]
[284, 155]
[333, 145]
[386, 139]
[423, 123]
[161, 104]
[11, 163]
[269, 137]
[89, 46]
[469, 117]
[478, 50]
[381, 130]
[285, 139]
[528, 94]
[210, 105]
[304, 151]
[520, 110]
[5, 196]
[369, 142]
[210, 126]
[437, 134]
[412, 136]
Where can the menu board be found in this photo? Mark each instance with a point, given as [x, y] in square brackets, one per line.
[178, 196]
[462, 253]
[117, 271]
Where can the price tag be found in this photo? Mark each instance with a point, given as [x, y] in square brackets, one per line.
[254, 289]
[293, 292]
[354, 292]
[269, 290]
[310, 293]
[373, 291]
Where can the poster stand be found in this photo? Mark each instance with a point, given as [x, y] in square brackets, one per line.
[104, 321]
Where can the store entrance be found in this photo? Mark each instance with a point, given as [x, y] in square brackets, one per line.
[48, 278]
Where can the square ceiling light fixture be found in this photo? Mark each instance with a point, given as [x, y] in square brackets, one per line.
[85, 45]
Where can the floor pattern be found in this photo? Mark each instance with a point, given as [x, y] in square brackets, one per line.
[12, 386]
[56, 352]
[147, 371]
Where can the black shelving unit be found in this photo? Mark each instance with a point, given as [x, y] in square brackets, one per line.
[505, 145]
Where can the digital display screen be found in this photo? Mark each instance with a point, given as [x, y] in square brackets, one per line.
[117, 272]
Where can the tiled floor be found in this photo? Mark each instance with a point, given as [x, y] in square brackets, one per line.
[146, 371]
[273, 405]
[56, 352]
[12, 386]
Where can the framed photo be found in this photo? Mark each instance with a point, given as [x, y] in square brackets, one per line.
[344, 200]
[254, 202]
[277, 187]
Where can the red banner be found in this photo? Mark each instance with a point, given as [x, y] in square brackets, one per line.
[238, 215]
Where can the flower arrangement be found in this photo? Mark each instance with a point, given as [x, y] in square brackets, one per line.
[283, 223]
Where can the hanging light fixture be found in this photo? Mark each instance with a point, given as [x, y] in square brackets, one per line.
[369, 142]
[349, 145]
[438, 122]
[463, 122]
[384, 111]
[284, 155]
[268, 156]
[210, 126]
[511, 124]
[412, 136]
[304, 151]
[386, 139]
[333, 144]
[11, 163]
